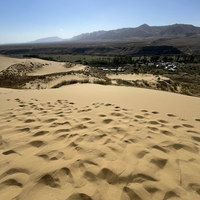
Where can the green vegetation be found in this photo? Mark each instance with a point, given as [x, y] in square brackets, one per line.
[124, 82]
[103, 82]
[110, 61]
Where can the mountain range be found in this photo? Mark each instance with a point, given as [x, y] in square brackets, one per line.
[143, 31]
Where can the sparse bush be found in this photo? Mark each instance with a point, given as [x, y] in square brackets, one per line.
[102, 82]
[84, 81]
[124, 82]
[65, 83]
[146, 83]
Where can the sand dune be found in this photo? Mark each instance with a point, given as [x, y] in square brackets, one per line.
[46, 67]
[68, 144]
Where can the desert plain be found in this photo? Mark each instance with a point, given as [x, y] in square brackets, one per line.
[96, 142]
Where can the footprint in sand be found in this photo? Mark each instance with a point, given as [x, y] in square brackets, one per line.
[24, 129]
[86, 119]
[153, 122]
[163, 121]
[91, 122]
[108, 175]
[58, 113]
[107, 121]
[40, 133]
[50, 120]
[177, 126]
[62, 131]
[159, 162]
[84, 110]
[9, 152]
[108, 104]
[102, 115]
[79, 127]
[90, 176]
[195, 132]
[188, 126]
[28, 113]
[29, 121]
[153, 128]
[37, 143]
[11, 182]
[117, 114]
[80, 196]
[37, 127]
[62, 137]
[157, 147]
[155, 112]
[171, 195]
[171, 115]
[142, 154]
[195, 187]
[144, 111]
[129, 193]
[73, 135]
[52, 155]
[22, 105]
[168, 133]
[139, 116]
[178, 146]
[14, 171]
[59, 101]
[196, 139]
[55, 124]
[198, 120]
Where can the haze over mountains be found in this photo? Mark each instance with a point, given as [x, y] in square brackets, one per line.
[143, 31]
[48, 39]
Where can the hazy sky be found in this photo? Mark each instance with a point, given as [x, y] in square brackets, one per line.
[27, 20]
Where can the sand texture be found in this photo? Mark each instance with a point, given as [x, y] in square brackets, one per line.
[65, 147]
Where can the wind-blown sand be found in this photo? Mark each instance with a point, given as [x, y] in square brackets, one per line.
[97, 142]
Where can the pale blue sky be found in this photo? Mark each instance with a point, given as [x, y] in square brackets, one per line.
[27, 20]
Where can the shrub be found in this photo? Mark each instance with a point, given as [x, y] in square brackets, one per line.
[124, 82]
[146, 83]
[84, 81]
[65, 83]
[102, 82]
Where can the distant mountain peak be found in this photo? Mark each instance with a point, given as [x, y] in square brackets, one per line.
[144, 25]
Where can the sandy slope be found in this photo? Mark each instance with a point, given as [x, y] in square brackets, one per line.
[53, 80]
[49, 67]
[99, 142]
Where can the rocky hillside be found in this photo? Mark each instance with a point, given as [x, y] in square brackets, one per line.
[143, 31]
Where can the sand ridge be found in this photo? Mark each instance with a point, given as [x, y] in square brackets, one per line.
[57, 150]
[37, 66]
